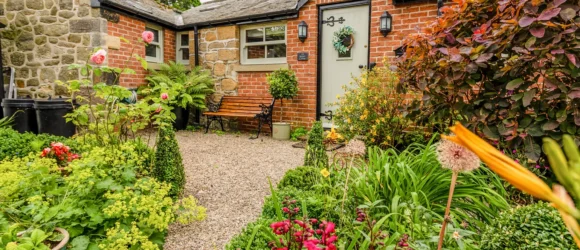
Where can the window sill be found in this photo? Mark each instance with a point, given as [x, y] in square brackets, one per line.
[153, 65]
[260, 67]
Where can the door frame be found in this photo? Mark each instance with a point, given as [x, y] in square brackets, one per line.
[331, 6]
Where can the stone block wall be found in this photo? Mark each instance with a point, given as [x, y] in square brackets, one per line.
[219, 52]
[43, 37]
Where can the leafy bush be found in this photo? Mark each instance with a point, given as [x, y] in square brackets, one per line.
[315, 150]
[297, 133]
[187, 88]
[16, 144]
[103, 197]
[510, 69]
[373, 106]
[537, 226]
[168, 165]
[303, 178]
[255, 235]
[478, 196]
[283, 84]
[312, 202]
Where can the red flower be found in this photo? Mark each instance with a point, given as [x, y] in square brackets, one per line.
[164, 96]
[45, 152]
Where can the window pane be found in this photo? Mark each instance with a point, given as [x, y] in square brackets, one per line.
[185, 54]
[184, 39]
[151, 50]
[255, 35]
[155, 34]
[256, 52]
[275, 33]
[277, 51]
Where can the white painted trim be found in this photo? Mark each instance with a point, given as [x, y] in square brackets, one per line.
[178, 48]
[243, 44]
[159, 57]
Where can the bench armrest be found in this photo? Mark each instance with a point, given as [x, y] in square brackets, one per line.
[266, 110]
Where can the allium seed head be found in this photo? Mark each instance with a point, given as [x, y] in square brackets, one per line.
[455, 157]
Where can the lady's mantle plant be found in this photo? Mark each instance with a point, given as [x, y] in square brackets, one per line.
[510, 69]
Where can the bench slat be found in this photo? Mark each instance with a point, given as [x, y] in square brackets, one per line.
[229, 114]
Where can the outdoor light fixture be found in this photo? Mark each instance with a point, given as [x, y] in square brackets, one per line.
[386, 23]
[302, 31]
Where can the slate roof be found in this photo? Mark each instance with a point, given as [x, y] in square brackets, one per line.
[222, 10]
[212, 12]
[148, 9]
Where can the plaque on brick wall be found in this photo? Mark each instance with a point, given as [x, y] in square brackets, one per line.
[110, 15]
[302, 56]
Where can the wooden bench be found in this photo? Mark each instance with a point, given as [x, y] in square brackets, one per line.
[241, 106]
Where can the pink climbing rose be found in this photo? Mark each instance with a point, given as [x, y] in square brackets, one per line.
[164, 96]
[99, 56]
[148, 36]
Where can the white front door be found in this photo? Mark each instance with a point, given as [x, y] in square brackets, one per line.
[337, 69]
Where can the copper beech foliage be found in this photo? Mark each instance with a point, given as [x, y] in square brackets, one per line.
[508, 68]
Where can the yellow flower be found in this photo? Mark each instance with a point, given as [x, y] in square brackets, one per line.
[325, 173]
[507, 168]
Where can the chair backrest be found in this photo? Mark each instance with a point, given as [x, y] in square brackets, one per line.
[243, 104]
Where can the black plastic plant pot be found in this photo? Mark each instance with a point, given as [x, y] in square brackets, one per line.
[25, 118]
[181, 118]
[50, 116]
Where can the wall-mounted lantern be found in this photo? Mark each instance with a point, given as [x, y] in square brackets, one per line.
[302, 31]
[386, 23]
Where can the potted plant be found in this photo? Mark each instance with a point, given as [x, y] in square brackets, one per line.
[187, 89]
[34, 238]
[283, 85]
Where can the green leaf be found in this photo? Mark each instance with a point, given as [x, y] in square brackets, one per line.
[513, 84]
[37, 236]
[80, 243]
[105, 184]
[528, 97]
[550, 125]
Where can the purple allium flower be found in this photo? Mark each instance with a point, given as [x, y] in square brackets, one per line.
[455, 157]
[514, 151]
[538, 166]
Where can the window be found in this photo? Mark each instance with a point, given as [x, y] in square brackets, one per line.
[263, 44]
[182, 48]
[154, 50]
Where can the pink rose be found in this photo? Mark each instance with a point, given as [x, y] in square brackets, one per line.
[164, 96]
[158, 109]
[148, 36]
[99, 56]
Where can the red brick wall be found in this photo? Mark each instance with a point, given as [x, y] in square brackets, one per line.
[131, 29]
[301, 111]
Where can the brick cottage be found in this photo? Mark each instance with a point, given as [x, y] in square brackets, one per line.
[240, 41]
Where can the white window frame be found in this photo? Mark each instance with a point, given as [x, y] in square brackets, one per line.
[244, 45]
[178, 48]
[159, 57]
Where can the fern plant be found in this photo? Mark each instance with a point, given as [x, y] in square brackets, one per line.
[315, 151]
[168, 165]
[189, 88]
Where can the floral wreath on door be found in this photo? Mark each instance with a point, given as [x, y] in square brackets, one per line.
[343, 39]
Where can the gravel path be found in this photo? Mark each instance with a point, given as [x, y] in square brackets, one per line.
[228, 174]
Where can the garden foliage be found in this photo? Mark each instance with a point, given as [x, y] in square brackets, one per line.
[283, 84]
[509, 69]
[16, 144]
[302, 178]
[536, 226]
[373, 106]
[168, 165]
[315, 150]
[188, 88]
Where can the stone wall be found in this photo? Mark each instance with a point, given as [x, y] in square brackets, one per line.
[43, 37]
[219, 51]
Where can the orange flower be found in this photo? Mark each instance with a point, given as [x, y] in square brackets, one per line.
[507, 168]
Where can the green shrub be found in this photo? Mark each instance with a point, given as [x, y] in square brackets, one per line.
[297, 133]
[168, 165]
[301, 178]
[315, 151]
[283, 84]
[537, 226]
[258, 232]
[314, 201]
[508, 69]
[16, 144]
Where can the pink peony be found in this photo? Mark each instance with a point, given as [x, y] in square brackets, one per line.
[148, 36]
[99, 56]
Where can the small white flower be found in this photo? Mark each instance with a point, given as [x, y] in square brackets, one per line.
[456, 235]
